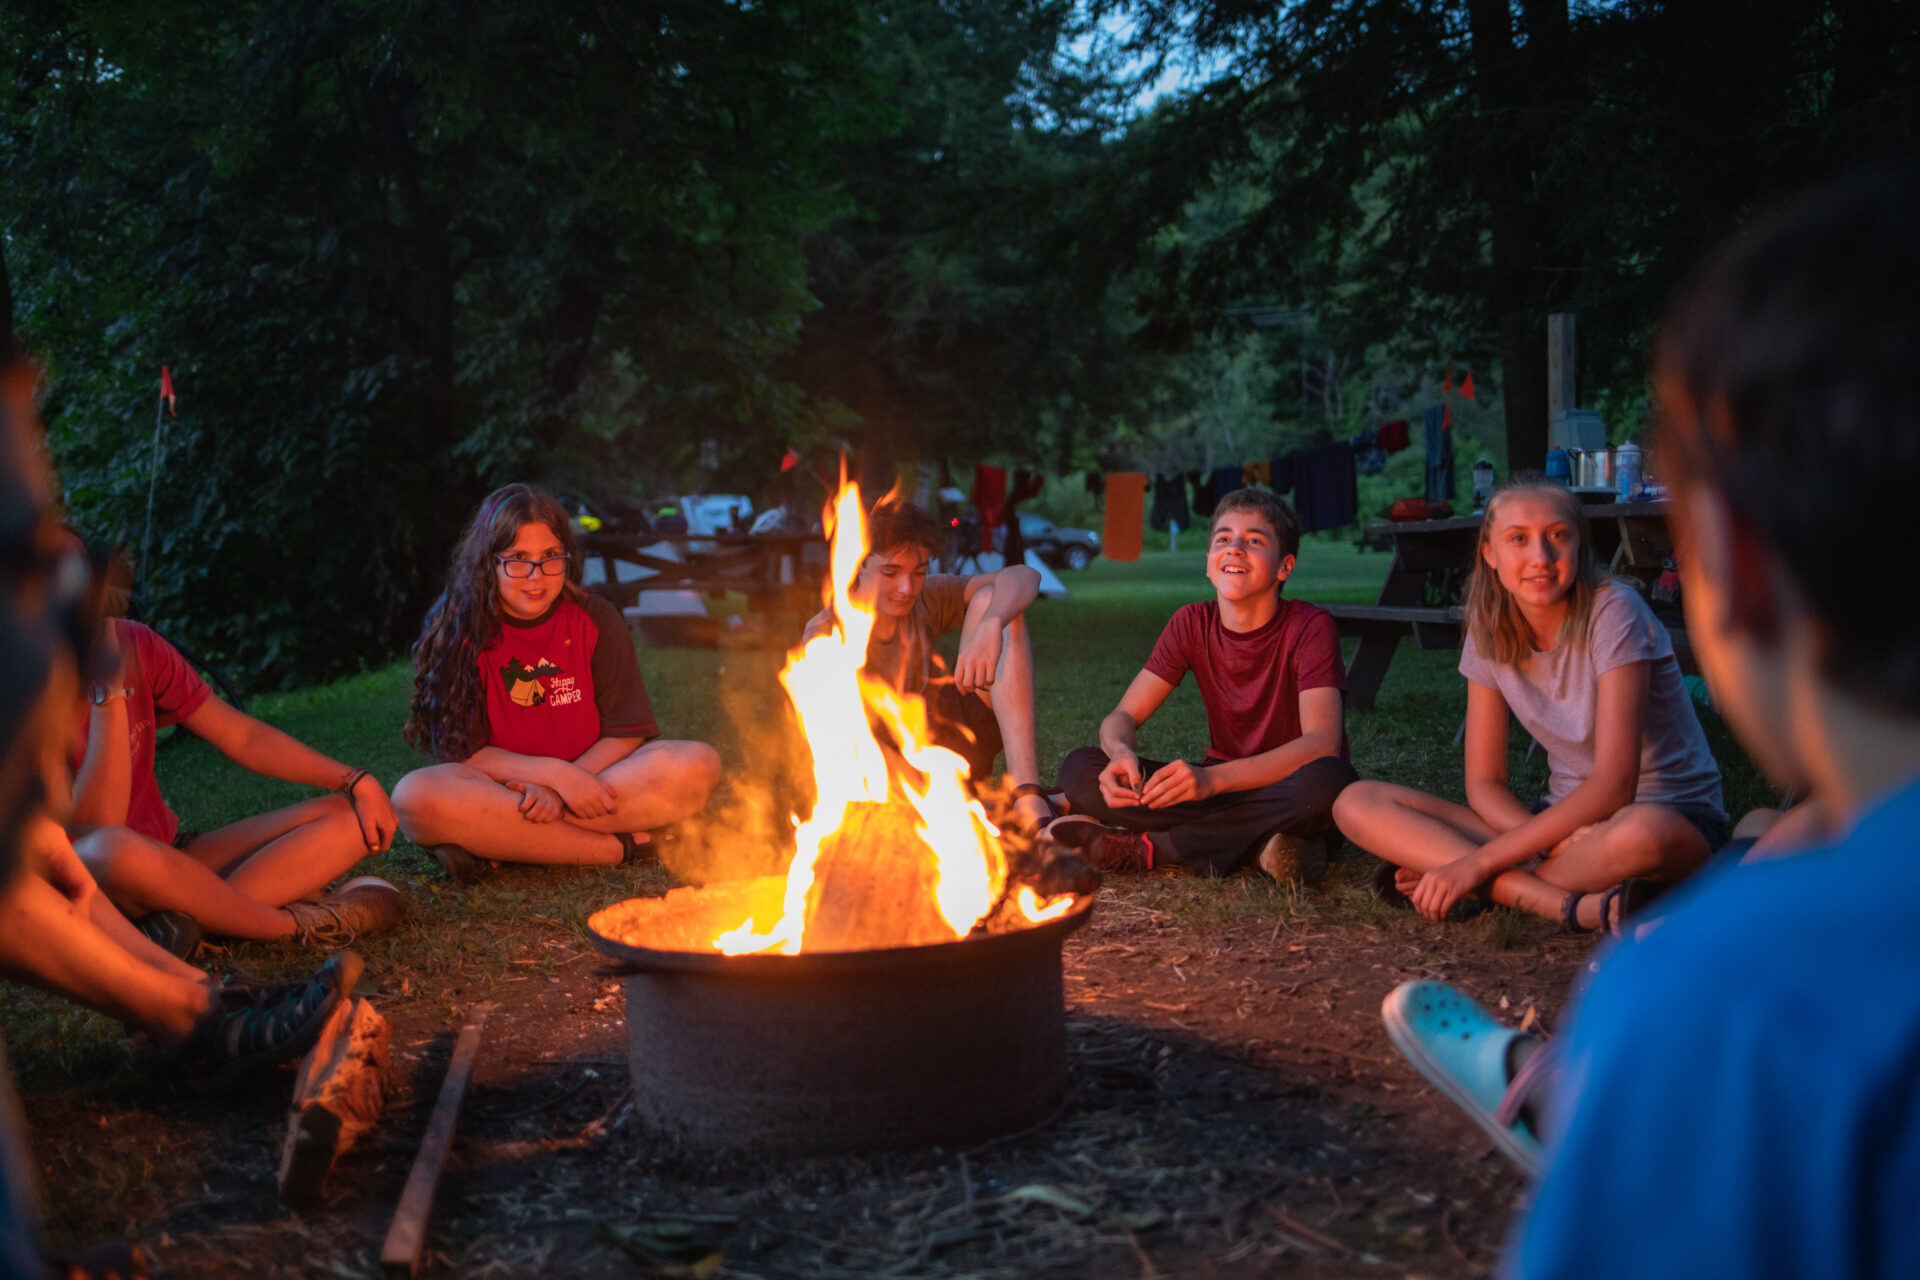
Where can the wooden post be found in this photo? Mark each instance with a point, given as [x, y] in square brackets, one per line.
[1563, 352]
[400, 1255]
[336, 1097]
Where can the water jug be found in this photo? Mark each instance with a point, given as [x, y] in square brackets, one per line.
[1626, 469]
[1559, 467]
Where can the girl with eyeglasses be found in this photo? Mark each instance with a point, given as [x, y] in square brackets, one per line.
[527, 692]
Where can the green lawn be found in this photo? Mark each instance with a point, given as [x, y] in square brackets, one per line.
[1086, 650]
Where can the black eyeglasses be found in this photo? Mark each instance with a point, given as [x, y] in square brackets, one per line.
[552, 566]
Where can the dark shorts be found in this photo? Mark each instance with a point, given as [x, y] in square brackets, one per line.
[964, 724]
[1711, 824]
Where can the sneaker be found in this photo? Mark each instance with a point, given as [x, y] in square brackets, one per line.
[1107, 848]
[174, 932]
[461, 867]
[1464, 1053]
[256, 1026]
[1292, 859]
[367, 904]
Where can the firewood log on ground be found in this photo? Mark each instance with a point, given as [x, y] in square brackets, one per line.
[337, 1096]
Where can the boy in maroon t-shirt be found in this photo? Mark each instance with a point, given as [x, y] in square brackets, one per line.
[1270, 676]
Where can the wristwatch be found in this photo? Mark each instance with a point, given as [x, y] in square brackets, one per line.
[103, 694]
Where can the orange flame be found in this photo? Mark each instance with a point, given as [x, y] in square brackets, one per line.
[836, 705]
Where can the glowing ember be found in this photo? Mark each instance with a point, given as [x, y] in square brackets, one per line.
[896, 851]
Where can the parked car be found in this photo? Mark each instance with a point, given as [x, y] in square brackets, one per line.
[1061, 548]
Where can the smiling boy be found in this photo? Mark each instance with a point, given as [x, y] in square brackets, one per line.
[987, 704]
[1271, 679]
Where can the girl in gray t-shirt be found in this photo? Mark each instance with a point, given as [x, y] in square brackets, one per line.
[1634, 799]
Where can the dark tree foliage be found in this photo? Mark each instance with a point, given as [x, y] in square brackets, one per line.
[1469, 166]
[397, 254]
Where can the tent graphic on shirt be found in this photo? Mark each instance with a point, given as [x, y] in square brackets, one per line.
[523, 682]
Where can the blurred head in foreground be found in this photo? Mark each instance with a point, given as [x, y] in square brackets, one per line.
[1787, 401]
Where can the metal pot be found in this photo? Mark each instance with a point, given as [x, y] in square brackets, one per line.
[851, 1050]
[1593, 468]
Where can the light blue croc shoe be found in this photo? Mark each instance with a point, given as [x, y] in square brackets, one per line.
[1462, 1051]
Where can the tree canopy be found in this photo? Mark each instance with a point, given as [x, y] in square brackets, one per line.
[398, 253]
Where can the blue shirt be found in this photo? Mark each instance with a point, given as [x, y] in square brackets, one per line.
[1744, 1080]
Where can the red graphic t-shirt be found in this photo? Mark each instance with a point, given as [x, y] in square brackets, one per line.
[559, 684]
[166, 690]
[1250, 681]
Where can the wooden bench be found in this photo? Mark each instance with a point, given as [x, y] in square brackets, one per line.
[1380, 628]
[779, 575]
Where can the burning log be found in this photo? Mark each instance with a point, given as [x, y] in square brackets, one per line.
[337, 1096]
[873, 885]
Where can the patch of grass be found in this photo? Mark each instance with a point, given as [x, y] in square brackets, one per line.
[1087, 649]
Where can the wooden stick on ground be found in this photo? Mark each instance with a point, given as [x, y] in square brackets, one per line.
[408, 1235]
[336, 1098]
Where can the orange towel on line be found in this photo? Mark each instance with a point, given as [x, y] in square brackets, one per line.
[1253, 473]
[1126, 515]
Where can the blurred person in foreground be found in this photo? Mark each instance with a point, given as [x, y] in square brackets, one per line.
[1739, 1092]
[56, 930]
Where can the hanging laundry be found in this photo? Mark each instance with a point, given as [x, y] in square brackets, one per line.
[1370, 461]
[1096, 483]
[1170, 503]
[1253, 473]
[1225, 481]
[1326, 494]
[1126, 504]
[989, 498]
[1393, 435]
[1204, 498]
[1440, 486]
[1281, 469]
[1026, 486]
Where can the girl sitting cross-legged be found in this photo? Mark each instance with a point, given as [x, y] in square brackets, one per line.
[1633, 803]
[527, 691]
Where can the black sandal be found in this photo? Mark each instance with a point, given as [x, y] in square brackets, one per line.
[253, 1026]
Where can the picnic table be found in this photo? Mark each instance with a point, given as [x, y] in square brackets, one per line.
[779, 574]
[1421, 596]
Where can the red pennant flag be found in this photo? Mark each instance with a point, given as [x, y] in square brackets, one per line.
[1446, 417]
[166, 390]
[1466, 385]
[789, 461]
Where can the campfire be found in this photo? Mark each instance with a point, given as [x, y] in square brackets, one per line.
[900, 984]
[897, 852]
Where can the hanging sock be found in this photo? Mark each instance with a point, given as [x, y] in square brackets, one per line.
[1226, 480]
[1201, 483]
[1126, 509]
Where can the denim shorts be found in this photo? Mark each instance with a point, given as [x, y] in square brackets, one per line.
[1710, 823]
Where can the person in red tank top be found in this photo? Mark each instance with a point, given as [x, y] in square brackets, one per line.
[1270, 676]
[527, 691]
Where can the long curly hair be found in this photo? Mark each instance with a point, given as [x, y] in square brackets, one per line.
[448, 715]
[1494, 620]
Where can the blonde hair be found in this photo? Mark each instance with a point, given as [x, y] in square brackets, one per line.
[1492, 618]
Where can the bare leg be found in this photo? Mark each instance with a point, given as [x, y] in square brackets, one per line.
[282, 856]
[662, 782]
[1419, 832]
[1012, 701]
[107, 919]
[45, 944]
[142, 875]
[1650, 841]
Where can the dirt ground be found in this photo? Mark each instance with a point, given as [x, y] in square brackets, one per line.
[1234, 1109]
